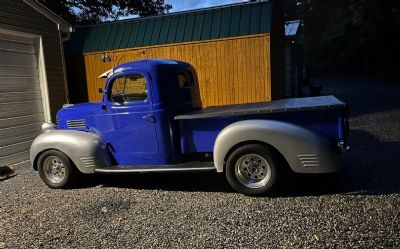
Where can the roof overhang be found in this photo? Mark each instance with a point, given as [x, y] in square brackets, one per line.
[62, 25]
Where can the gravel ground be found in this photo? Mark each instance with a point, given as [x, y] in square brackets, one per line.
[357, 208]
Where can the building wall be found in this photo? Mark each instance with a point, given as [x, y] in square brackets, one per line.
[15, 15]
[230, 71]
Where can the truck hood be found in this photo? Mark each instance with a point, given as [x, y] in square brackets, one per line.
[77, 116]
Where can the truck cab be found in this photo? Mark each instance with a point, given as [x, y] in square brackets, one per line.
[136, 115]
[150, 120]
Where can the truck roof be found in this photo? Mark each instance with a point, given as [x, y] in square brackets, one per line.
[146, 65]
[284, 105]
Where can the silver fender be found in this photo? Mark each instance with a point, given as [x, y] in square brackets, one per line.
[304, 150]
[86, 150]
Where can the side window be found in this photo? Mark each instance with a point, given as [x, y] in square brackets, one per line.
[185, 79]
[129, 88]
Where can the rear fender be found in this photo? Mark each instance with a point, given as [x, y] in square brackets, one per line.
[86, 150]
[304, 150]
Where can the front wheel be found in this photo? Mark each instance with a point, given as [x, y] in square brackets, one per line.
[55, 169]
[251, 169]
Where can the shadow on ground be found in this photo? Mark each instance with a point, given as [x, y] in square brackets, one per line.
[369, 168]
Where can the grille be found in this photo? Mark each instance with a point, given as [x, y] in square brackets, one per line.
[76, 123]
[309, 160]
[88, 162]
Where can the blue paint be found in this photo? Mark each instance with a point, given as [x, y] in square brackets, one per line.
[145, 132]
[199, 135]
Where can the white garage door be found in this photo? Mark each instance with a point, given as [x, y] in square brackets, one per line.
[21, 108]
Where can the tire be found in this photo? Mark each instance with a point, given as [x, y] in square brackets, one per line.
[56, 169]
[252, 169]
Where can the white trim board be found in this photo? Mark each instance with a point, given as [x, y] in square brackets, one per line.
[62, 25]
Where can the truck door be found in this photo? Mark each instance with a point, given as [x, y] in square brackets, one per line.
[127, 122]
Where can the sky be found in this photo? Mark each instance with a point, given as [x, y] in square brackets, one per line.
[180, 5]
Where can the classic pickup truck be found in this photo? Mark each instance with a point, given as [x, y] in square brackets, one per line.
[150, 120]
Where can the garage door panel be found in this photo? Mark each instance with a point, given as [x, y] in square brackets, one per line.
[17, 134]
[12, 159]
[18, 72]
[18, 59]
[15, 109]
[19, 85]
[18, 39]
[19, 139]
[21, 108]
[21, 120]
[15, 148]
[19, 46]
[19, 96]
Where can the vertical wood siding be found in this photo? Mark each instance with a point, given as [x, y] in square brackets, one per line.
[230, 71]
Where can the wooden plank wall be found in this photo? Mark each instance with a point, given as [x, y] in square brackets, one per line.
[230, 71]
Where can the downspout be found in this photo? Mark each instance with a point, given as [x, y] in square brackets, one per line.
[62, 40]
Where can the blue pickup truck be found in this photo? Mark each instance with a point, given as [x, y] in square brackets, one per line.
[150, 120]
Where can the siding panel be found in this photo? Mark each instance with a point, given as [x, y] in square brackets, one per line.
[18, 76]
[243, 78]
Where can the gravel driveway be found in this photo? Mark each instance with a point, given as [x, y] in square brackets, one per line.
[357, 208]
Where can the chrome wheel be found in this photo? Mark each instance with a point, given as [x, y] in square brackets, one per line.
[253, 171]
[54, 169]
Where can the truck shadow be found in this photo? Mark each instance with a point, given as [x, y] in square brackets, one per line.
[371, 167]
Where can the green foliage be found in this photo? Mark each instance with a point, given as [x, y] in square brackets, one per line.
[95, 11]
[349, 33]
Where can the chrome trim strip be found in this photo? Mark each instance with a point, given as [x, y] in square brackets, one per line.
[311, 160]
[80, 123]
[89, 162]
[160, 169]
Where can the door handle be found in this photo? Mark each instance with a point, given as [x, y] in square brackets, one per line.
[150, 118]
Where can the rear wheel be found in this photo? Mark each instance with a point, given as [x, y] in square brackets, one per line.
[56, 170]
[251, 169]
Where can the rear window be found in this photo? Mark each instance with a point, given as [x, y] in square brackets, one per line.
[185, 79]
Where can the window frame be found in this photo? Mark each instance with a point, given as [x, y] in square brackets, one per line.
[191, 78]
[126, 75]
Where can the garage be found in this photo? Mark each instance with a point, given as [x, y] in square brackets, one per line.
[32, 74]
[22, 109]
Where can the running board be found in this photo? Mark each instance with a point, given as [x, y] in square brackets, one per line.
[185, 167]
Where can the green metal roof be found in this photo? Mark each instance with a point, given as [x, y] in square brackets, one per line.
[197, 25]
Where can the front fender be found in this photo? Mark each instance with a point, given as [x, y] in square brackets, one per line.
[86, 150]
[304, 150]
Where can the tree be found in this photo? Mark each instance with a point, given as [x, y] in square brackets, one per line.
[95, 11]
[348, 33]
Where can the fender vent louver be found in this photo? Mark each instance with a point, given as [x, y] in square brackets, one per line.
[76, 123]
[88, 162]
[309, 160]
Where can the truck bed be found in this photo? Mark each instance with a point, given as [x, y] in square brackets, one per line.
[277, 106]
[323, 115]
